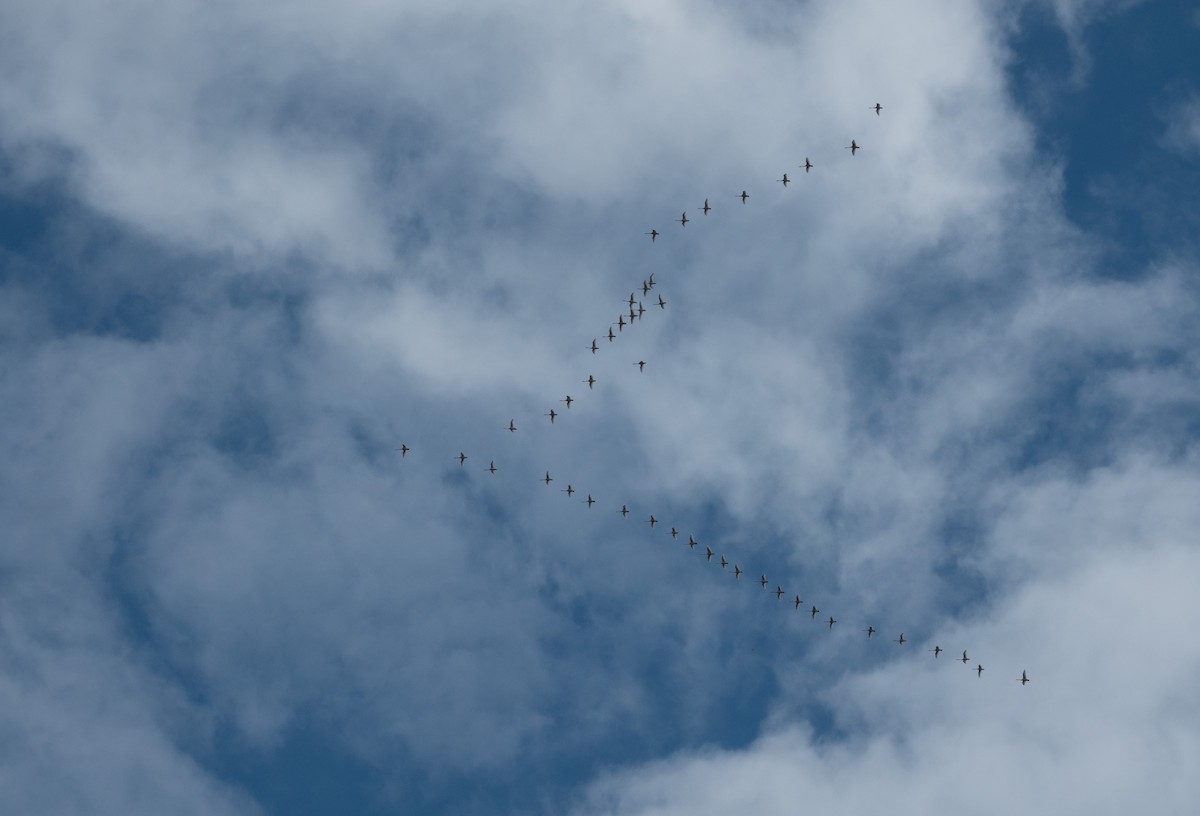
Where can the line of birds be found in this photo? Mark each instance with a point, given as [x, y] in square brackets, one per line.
[635, 310]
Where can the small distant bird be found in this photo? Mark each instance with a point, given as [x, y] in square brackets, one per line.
[979, 670]
[512, 426]
[709, 556]
[964, 657]
[737, 572]
[492, 467]
[652, 521]
[692, 541]
[815, 611]
[798, 601]
[641, 308]
[778, 592]
[590, 381]
[568, 401]
[674, 533]
[744, 196]
[877, 108]
[624, 511]
[1023, 678]
[547, 480]
[900, 639]
[683, 219]
[784, 181]
[632, 300]
[404, 449]
[870, 630]
[831, 621]
[590, 501]
[650, 281]
[807, 165]
[653, 235]
[763, 581]
[645, 287]
[552, 414]
[724, 563]
[632, 315]
[641, 364]
[852, 147]
[620, 324]
[611, 336]
[462, 457]
[594, 346]
[662, 304]
[937, 650]
[706, 208]
[570, 491]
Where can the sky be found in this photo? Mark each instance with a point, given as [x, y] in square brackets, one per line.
[945, 386]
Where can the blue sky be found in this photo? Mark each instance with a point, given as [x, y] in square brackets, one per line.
[946, 387]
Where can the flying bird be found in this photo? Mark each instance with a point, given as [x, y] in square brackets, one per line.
[620, 324]
[1023, 678]
[570, 491]
[692, 541]
[683, 219]
[877, 108]
[763, 581]
[706, 208]
[462, 457]
[651, 280]
[737, 572]
[674, 533]
[709, 556]
[979, 670]
[552, 414]
[568, 401]
[832, 621]
[611, 336]
[798, 601]
[870, 630]
[590, 381]
[590, 501]
[724, 563]
[815, 611]
[653, 235]
[641, 308]
[778, 592]
[404, 449]
[641, 364]
[624, 511]
[784, 181]
[662, 304]
[852, 147]
[595, 347]
[964, 657]
[645, 288]
[512, 426]
[807, 165]
[937, 650]
[744, 196]
[547, 480]
[900, 639]
[492, 467]
[632, 300]
[652, 521]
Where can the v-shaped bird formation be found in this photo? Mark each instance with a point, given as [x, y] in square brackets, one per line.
[633, 311]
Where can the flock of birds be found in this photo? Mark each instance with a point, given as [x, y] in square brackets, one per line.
[634, 310]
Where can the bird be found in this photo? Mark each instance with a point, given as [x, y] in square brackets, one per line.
[590, 501]
[709, 556]
[778, 592]
[547, 480]
[620, 324]
[692, 541]
[642, 309]
[744, 196]
[798, 601]
[652, 521]
[1023, 678]
[763, 581]
[852, 147]
[683, 219]
[570, 491]
[877, 108]
[832, 621]
[568, 401]
[870, 630]
[937, 650]
[462, 457]
[632, 300]
[404, 449]
[653, 235]
[724, 563]
[737, 572]
[900, 639]
[594, 346]
[650, 280]
[815, 611]
[611, 336]
[552, 414]
[784, 181]
[979, 670]
[706, 208]
[632, 315]
[590, 381]
[492, 467]
[512, 426]
[964, 657]
[624, 511]
[641, 364]
[674, 533]
[662, 304]
[807, 165]
[645, 287]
